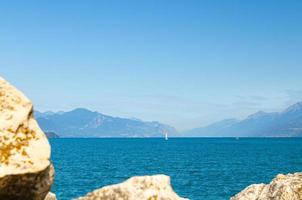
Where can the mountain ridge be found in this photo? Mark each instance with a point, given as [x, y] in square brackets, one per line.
[287, 123]
[81, 122]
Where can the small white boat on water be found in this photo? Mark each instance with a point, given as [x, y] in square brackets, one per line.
[166, 136]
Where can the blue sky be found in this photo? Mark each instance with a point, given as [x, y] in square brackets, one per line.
[186, 63]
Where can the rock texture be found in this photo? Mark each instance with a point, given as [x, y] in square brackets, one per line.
[25, 169]
[283, 187]
[51, 196]
[155, 187]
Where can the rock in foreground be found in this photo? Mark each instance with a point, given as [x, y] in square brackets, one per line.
[283, 187]
[51, 196]
[156, 187]
[25, 169]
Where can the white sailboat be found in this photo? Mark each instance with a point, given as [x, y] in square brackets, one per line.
[166, 136]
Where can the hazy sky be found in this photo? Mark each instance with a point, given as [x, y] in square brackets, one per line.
[186, 63]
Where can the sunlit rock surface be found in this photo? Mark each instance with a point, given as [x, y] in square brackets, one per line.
[283, 187]
[50, 196]
[25, 169]
[155, 187]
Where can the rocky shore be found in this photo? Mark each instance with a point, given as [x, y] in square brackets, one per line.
[283, 187]
[140, 187]
[26, 172]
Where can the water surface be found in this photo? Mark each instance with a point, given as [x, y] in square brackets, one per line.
[200, 168]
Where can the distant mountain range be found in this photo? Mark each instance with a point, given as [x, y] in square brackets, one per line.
[85, 123]
[261, 124]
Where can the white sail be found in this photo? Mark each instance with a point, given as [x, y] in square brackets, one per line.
[166, 136]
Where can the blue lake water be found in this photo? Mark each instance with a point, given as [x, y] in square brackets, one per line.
[200, 168]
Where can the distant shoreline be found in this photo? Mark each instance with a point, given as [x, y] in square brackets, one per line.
[244, 137]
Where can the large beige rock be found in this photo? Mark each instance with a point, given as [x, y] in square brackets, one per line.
[283, 187]
[155, 187]
[25, 169]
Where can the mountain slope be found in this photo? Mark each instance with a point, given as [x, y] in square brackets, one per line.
[85, 123]
[51, 135]
[284, 124]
